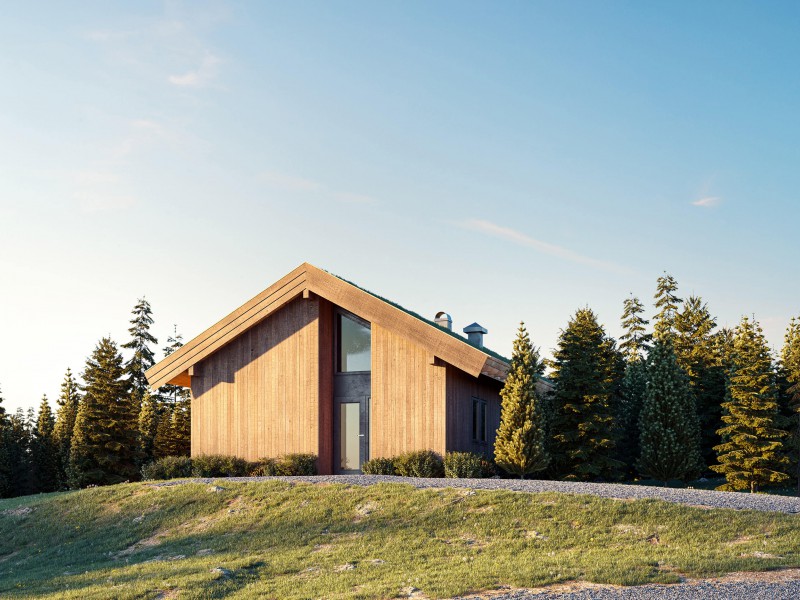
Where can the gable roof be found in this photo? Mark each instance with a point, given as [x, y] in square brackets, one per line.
[445, 344]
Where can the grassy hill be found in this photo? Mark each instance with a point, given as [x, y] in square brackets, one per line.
[277, 540]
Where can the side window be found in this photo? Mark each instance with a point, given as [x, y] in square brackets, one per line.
[355, 345]
[479, 421]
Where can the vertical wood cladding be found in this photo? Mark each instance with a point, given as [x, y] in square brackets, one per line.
[461, 389]
[259, 395]
[408, 399]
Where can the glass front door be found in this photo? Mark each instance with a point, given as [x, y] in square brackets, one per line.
[351, 426]
[350, 436]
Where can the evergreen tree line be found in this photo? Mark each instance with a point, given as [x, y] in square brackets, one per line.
[105, 427]
[677, 402]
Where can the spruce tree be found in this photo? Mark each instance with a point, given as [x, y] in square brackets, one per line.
[18, 444]
[142, 357]
[519, 447]
[148, 427]
[181, 425]
[164, 440]
[667, 304]
[104, 440]
[670, 430]
[632, 391]
[177, 439]
[583, 422]
[751, 455]
[635, 341]
[44, 451]
[5, 458]
[694, 344]
[68, 402]
[790, 377]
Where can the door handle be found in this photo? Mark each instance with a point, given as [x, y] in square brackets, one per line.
[360, 435]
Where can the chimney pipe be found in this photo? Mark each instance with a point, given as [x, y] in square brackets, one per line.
[444, 320]
[475, 334]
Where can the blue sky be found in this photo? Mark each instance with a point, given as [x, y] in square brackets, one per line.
[500, 161]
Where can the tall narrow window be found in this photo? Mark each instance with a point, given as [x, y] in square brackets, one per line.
[478, 420]
[355, 345]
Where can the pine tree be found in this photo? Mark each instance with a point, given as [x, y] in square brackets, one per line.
[104, 438]
[68, 402]
[635, 342]
[751, 454]
[694, 344]
[164, 441]
[5, 458]
[18, 445]
[670, 430]
[667, 303]
[148, 427]
[181, 424]
[583, 421]
[790, 376]
[142, 358]
[173, 394]
[176, 440]
[633, 388]
[520, 443]
[44, 451]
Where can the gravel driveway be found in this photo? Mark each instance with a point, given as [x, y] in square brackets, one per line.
[704, 498]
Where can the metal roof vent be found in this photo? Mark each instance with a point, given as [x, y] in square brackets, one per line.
[475, 334]
[444, 320]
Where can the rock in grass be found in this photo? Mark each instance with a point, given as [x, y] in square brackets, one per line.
[344, 567]
[215, 489]
[222, 573]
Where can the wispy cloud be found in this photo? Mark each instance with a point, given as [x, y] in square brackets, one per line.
[522, 239]
[708, 201]
[291, 183]
[199, 77]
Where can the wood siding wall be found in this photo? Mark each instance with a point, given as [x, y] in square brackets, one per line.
[408, 397]
[461, 389]
[259, 395]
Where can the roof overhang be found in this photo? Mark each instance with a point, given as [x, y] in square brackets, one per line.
[175, 368]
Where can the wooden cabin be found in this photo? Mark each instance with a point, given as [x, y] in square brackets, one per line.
[316, 364]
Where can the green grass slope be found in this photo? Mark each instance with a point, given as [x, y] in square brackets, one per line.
[277, 540]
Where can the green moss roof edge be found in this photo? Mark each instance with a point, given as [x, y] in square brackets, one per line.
[449, 332]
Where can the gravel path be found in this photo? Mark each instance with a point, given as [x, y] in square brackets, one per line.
[704, 498]
[701, 590]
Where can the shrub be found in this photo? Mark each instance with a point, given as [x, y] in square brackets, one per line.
[420, 463]
[463, 464]
[218, 465]
[378, 466]
[297, 464]
[169, 467]
[263, 467]
[288, 464]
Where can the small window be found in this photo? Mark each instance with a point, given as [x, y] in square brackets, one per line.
[355, 345]
[479, 421]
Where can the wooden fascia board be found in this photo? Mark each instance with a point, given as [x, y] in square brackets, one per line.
[212, 339]
[495, 368]
[365, 305]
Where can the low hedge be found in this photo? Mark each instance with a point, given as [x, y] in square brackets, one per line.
[169, 467]
[220, 465]
[463, 465]
[378, 466]
[419, 463]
